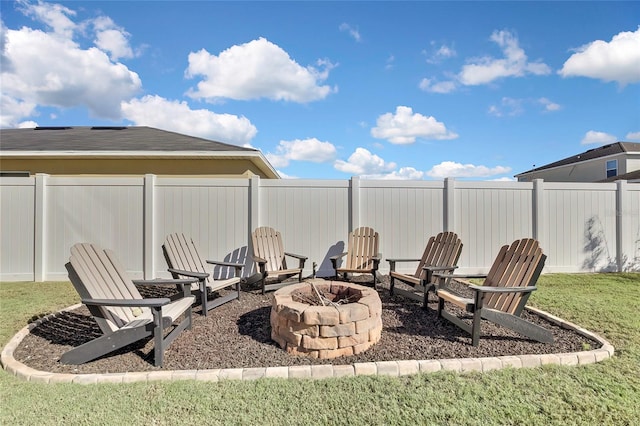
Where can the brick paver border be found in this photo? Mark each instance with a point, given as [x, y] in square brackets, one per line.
[382, 368]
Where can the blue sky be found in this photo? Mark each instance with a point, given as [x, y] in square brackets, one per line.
[329, 90]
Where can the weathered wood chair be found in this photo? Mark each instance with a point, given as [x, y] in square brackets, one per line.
[117, 306]
[184, 260]
[503, 295]
[269, 254]
[362, 255]
[441, 254]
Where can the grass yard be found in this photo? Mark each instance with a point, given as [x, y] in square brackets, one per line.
[606, 393]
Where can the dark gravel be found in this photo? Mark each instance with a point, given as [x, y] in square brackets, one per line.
[237, 334]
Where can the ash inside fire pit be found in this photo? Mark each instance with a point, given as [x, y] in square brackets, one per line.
[318, 296]
[326, 319]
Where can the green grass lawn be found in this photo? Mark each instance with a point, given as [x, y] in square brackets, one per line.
[606, 393]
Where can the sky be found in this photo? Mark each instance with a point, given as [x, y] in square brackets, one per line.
[416, 90]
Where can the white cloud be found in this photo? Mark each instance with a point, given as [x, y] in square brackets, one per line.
[389, 64]
[257, 69]
[508, 106]
[12, 110]
[512, 107]
[312, 150]
[353, 32]
[514, 64]
[54, 16]
[432, 86]
[549, 106]
[440, 53]
[27, 125]
[111, 38]
[452, 169]
[363, 162]
[51, 69]
[617, 60]
[404, 173]
[405, 126]
[633, 136]
[600, 138]
[155, 111]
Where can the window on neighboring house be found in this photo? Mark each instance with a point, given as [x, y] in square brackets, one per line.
[612, 168]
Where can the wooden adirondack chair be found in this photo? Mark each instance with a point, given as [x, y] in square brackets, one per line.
[362, 255]
[184, 260]
[117, 306]
[269, 254]
[441, 254]
[503, 295]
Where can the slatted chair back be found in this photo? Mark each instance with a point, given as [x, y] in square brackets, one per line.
[181, 253]
[99, 275]
[517, 265]
[442, 250]
[267, 244]
[361, 249]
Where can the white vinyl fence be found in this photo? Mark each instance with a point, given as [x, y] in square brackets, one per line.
[581, 226]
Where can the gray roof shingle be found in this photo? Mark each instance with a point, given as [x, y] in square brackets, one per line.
[97, 139]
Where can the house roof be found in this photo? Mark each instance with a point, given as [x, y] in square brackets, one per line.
[102, 139]
[602, 151]
[118, 142]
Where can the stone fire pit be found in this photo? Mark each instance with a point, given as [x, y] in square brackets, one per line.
[349, 323]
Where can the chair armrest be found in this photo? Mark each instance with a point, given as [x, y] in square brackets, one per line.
[131, 303]
[337, 256]
[403, 260]
[392, 262]
[439, 268]
[491, 289]
[334, 260]
[440, 275]
[164, 281]
[297, 256]
[301, 259]
[217, 262]
[198, 275]
[259, 259]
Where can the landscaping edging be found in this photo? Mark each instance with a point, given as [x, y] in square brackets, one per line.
[382, 368]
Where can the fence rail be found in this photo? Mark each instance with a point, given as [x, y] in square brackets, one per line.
[581, 226]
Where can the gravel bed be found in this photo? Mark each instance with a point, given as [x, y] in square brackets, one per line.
[237, 335]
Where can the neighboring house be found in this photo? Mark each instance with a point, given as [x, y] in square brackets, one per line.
[70, 151]
[620, 160]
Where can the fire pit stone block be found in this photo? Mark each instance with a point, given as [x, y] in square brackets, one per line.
[329, 331]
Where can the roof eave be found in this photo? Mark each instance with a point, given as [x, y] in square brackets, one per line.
[256, 157]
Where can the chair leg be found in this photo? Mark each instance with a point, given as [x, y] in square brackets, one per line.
[477, 317]
[158, 341]
[204, 297]
[425, 301]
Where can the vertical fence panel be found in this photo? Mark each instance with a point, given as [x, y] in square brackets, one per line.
[630, 228]
[17, 215]
[312, 216]
[489, 215]
[581, 226]
[213, 212]
[405, 214]
[104, 211]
